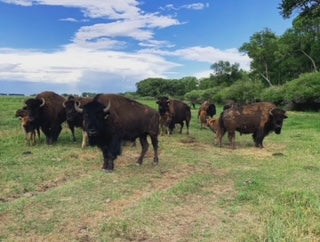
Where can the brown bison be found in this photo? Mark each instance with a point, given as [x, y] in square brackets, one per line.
[179, 111]
[206, 110]
[257, 118]
[47, 112]
[75, 119]
[111, 119]
[208, 107]
[165, 121]
[30, 128]
[215, 125]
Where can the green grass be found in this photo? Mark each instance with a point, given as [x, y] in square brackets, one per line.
[198, 192]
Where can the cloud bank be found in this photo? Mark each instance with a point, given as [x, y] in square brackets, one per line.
[99, 52]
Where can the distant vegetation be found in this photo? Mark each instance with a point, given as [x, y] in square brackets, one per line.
[284, 69]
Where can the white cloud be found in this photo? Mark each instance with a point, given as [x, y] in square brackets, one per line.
[71, 64]
[206, 54]
[192, 6]
[19, 2]
[196, 6]
[69, 20]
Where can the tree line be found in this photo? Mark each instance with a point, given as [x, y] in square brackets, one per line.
[279, 65]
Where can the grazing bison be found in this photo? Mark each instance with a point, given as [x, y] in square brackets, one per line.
[47, 111]
[110, 119]
[257, 118]
[179, 111]
[29, 128]
[75, 119]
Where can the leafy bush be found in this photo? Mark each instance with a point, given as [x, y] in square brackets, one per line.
[273, 94]
[304, 89]
[304, 92]
[242, 91]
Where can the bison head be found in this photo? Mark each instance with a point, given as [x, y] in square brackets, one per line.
[33, 108]
[211, 110]
[94, 116]
[163, 103]
[71, 112]
[277, 116]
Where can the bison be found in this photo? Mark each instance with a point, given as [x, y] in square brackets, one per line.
[206, 110]
[75, 119]
[179, 111]
[30, 128]
[110, 119]
[165, 121]
[257, 118]
[47, 111]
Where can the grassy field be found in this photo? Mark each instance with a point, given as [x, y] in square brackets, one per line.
[198, 192]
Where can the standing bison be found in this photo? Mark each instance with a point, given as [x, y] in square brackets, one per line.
[257, 118]
[179, 111]
[75, 119]
[47, 112]
[110, 119]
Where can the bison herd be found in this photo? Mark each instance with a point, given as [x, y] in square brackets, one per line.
[108, 120]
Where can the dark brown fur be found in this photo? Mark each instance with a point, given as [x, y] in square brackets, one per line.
[75, 119]
[179, 110]
[126, 120]
[50, 116]
[257, 118]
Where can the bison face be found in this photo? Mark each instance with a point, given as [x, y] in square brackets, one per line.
[163, 103]
[33, 108]
[277, 117]
[94, 116]
[71, 112]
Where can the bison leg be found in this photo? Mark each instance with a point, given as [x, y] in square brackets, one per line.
[144, 145]
[154, 140]
[231, 136]
[187, 124]
[108, 161]
[71, 127]
[55, 132]
[181, 127]
[84, 139]
[258, 137]
[32, 137]
[38, 132]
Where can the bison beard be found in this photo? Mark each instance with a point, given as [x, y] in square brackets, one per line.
[111, 119]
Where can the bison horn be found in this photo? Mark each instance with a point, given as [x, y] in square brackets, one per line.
[77, 107]
[64, 104]
[107, 108]
[270, 112]
[43, 102]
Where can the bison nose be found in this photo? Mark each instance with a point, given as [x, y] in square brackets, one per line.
[92, 132]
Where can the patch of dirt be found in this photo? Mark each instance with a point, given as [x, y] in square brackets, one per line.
[188, 140]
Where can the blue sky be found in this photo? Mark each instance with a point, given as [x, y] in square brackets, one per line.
[75, 46]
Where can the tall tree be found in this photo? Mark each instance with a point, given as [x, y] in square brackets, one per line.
[304, 7]
[263, 49]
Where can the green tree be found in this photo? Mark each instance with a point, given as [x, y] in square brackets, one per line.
[225, 73]
[309, 8]
[263, 49]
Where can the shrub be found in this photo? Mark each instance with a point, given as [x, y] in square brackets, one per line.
[273, 94]
[242, 91]
[304, 92]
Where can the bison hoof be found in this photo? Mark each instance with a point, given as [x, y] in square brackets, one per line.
[107, 171]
